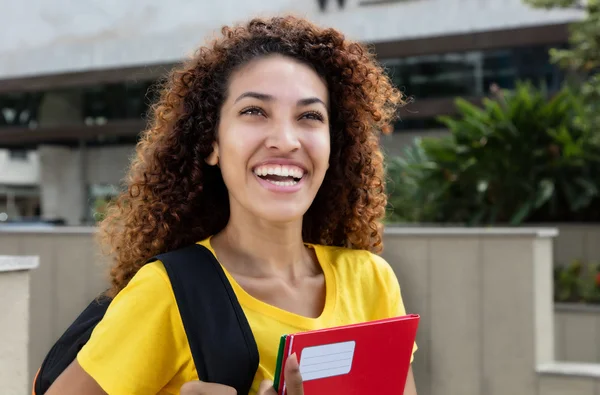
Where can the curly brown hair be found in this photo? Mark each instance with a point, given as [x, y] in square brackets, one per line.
[174, 198]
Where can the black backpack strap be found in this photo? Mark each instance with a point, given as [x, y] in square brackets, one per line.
[220, 338]
[66, 348]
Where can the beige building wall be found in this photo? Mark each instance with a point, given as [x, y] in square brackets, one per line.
[149, 32]
[577, 333]
[70, 275]
[15, 291]
[578, 242]
[466, 285]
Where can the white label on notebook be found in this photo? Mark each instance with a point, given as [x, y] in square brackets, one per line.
[329, 360]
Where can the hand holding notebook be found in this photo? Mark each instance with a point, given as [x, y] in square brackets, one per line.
[294, 381]
[372, 357]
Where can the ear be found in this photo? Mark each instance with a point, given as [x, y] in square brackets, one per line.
[213, 158]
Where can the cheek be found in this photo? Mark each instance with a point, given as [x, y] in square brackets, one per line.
[236, 147]
[319, 148]
[237, 144]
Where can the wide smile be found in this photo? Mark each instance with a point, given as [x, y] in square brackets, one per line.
[280, 178]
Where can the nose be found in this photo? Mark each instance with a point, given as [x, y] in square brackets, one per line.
[283, 137]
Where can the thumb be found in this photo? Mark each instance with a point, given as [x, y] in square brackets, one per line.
[293, 378]
[202, 388]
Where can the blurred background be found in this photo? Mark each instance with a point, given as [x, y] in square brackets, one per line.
[493, 223]
[76, 77]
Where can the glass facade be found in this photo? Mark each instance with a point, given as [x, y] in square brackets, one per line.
[470, 74]
[116, 101]
[448, 75]
[92, 105]
[19, 109]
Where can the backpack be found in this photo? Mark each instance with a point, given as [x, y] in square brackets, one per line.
[220, 338]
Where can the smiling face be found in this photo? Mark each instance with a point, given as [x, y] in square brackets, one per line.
[273, 139]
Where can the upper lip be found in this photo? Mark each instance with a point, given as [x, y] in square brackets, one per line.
[280, 162]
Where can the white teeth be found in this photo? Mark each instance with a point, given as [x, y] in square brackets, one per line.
[282, 171]
[283, 183]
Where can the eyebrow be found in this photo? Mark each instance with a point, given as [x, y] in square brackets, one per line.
[255, 95]
[265, 97]
[311, 100]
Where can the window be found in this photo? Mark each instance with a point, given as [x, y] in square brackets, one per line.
[19, 109]
[92, 105]
[116, 101]
[506, 67]
[18, 154]
[470, 74]
[445, 75]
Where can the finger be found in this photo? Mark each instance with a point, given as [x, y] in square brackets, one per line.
[266, 388]
[293, 378]
[201, 388]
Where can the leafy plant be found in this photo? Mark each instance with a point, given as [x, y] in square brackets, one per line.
[99, 208]
[579, 282]
[521, 156]
[582, 58]
[412, 199]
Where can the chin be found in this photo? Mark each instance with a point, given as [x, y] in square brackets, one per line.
[280, 213]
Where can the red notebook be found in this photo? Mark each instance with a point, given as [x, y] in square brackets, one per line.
[367, 358]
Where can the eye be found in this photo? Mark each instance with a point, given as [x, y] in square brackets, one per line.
[313, 115]
[252, 111]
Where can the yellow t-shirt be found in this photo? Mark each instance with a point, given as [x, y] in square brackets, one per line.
[140, 347]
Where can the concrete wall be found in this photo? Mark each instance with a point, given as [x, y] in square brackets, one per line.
[474, 339]
[485, 297]
[67, 173]
[15, 292]
[62, 184]
[578, 241]
[69, 277]
[107, 165]
[577, 333]
[72, 35]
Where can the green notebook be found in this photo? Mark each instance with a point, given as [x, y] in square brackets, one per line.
[279, 362]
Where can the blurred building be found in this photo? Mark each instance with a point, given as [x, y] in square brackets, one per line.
[74, 76]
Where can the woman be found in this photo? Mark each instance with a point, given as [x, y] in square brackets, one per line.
[264, 148]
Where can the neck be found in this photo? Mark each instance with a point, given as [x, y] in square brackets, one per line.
[256, 247]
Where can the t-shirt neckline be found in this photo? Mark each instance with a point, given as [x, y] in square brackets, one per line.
[284, 316]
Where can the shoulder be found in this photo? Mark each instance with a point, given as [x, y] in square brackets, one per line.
[361, 265]
[366, 282]
[361, 260]
[148, 293]
[153, 271]
[150, 282]
[142, 334]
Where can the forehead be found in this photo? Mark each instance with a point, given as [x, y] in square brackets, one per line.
[279, 76]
